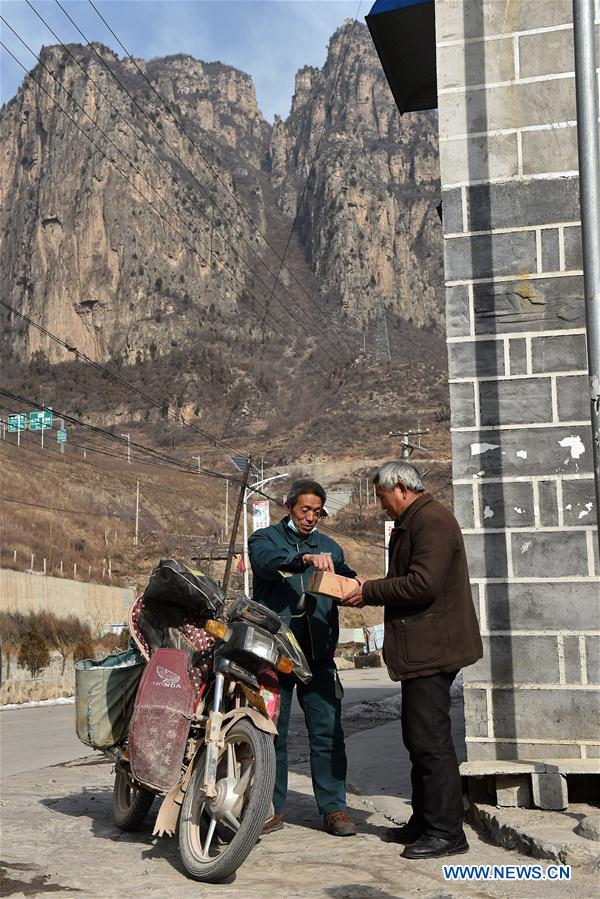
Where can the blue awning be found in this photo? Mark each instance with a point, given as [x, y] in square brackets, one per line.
[403, 32]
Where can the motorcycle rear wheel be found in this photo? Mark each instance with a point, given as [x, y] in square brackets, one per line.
[216, 836]
[130, 803]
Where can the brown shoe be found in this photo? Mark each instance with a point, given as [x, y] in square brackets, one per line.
[275, 822]
[338, 824]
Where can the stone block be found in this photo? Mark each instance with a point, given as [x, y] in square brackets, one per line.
[579, 502]
[499, 749]
[549, 151]
[462, 405]
[549, 791]
[548, 503]
[545, 714]
[540, 304]
[573, 398]
[456, 20]
[513, 790]
[476, 713]
[516, 660]
[550, 250]
[459, 64]
[476, 359]
[548, 53]
[551, 606]
[486, 554]
[463, 505]
[515, 402]
[572, 659]
[522, 203]
[452, 210]
[457, 311]
[517, 351]
[549, 554]
[548, 450]
[573, 251]
[564, 353]
[592, 651]
[484, 255]
[509, 504]
[467, 159]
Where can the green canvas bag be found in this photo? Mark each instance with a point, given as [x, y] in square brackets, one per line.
[104, 696]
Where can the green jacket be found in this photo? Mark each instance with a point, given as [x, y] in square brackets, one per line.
[277, 549]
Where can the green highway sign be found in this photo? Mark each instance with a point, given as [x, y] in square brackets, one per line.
[40, 421]
[61, 436]
[17, 423]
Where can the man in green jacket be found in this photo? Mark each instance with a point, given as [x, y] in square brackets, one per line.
[281, 557]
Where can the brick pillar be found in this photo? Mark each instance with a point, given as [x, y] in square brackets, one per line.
[521, 438]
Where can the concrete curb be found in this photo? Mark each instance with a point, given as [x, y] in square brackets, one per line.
[539, 834]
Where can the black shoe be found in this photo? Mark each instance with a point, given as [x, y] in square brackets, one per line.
[434, 847]
[408, 833]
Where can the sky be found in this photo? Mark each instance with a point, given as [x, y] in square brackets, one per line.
[268, 39]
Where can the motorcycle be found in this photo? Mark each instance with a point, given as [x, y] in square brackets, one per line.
[201, 733]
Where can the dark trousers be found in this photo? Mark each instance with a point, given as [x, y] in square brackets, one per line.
[436, 786]
[322, 709]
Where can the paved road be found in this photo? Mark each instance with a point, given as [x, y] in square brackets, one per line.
[37, 737]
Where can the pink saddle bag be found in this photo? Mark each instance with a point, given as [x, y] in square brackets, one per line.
[160, 723]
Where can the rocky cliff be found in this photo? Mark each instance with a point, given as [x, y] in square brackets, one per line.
[132, 235]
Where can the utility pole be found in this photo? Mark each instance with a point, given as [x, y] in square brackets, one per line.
[128, 435]
[199, 458]
[236, 524]
[226, 507]
[137, 512]
[406, 446]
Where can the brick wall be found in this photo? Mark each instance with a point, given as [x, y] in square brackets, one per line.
[521, 438]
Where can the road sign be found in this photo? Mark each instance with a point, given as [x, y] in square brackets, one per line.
[17, 423]
[260, 514]
[61, 436]
[240, 464]
[40, 421]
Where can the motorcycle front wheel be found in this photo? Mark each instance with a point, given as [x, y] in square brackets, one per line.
[216, 835]
[130, 803]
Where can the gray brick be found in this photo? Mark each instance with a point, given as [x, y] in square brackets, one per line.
[476, 359]
[476, 714]
[511, 504]
[579, 502]
[548, 503]
[549, 790]
[555, 606]
[592, 649]
[522, 203]
[554, 150]
[547, 53]
[573, 398]
[462, 405]
[572, 660]
[592, 750]
[545, 714]
[486, 554]
[474, 64]
[550, 250]
[476, 158]
[457, 311]
[573, 258]
[452, 212]
[457, 21]
[518, 660]
[515, 402]
[522, 750]
[563, 353]
[517, 350]
[513, 791]
[494, 453]
[484, 255]
[463, 505]
[541, 304]
[549, 554]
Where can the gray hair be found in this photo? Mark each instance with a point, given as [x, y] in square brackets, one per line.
[392, 474]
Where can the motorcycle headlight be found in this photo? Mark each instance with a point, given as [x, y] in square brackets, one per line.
[260, 644]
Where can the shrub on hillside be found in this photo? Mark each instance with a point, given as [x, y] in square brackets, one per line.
[12, 628]
[34, 653]
[84, 648]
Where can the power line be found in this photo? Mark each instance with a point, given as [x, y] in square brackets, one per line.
[84, 512]
[199, 151]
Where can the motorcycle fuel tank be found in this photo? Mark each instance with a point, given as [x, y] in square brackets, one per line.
[160, 723]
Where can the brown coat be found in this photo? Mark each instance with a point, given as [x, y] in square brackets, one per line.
[430, 621]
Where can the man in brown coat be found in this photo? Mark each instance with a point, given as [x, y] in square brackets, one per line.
[431, 631]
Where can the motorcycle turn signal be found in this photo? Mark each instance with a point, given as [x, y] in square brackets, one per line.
[285, 665]
[216, 628]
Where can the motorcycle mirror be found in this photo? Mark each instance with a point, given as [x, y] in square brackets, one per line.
[307, 605]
